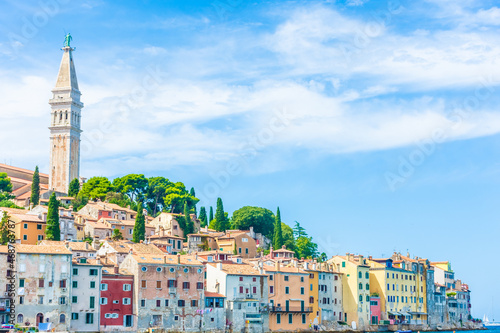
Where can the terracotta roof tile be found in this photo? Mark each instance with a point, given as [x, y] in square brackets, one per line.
[42, 249]
[239, 269]
[168, 259]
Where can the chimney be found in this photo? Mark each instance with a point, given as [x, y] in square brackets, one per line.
[98, 260]
[116, 269]
[178, 258]
[277, 266]
[86, 246]
[271, 251]
[31, 206]
[314, 266]
[142, 241]
[361, 260]
[219, 266]
[164, 259]
[306, 265]
[66, 243]
[408, 254]
[348, 256]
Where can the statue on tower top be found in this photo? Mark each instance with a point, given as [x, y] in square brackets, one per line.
[67, 40]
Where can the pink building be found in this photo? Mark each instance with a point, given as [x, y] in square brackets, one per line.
[375, 310]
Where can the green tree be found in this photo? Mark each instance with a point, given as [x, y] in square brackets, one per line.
[299, 231]
[261, 219]
[4, 229]
[9, 204]
[188, 223]
[35, 188]
[52, 229]
[305, 247]
[193, 194]
[322, 257]
[74, 188]
[278, 234]
[79, 202]
[96, 188]
[175, 197]
[139, 232]
[211, 216]
[5, 187]
[120, 199]
[203, 217]
[117, 235]
[221, 220]
[288, 239]
[134, 186]
[157, 190]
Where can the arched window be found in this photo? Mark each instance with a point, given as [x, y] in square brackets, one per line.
[20, 318]
[360, 286]
[62, 318]
[367, 286]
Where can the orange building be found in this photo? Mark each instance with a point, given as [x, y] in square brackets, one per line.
[289, 296]
[29, 229]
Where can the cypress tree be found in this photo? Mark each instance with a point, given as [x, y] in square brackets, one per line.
[52, 229]
[139, 232]
[4, 229]
[203, 217]
[211, 216]
[222, 224]
[189, 225]
[35, 188]
[193, 194]
[278, 235]
[74, 188]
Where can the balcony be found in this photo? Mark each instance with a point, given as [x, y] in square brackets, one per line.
[291, 309]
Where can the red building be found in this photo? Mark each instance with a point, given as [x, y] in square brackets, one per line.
[117, 292]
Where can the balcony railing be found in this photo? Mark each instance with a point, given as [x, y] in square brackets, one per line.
[290, 309]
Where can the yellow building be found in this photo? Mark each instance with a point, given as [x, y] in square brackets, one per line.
[401, 287]
[355, 289]
[313, 293]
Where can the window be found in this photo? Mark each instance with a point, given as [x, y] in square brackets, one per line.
[278, 318]
[254, 279]
[92, 284]
[62, 284]
[367, 286]
[74, 299]
[171, 283]
[103, 301]
[199, 285]
[74, 316]
[343, 263]
[144, 268]
[271, 289]
[194, 303]
[303, 318]
[158, 303]
[20, 318]
[21, 299]
[89, 318]
[185, 285]
[74, 284]
[166, 302]
[25, 237]
[143, 284]
[361, 298]
[287, 290]
[143, 303]
[239, 250]
[127, 287]
[367, 298]
[40, 237]
[21, 283]
[241, 278]
[241, 290]
[360, 286]
[302, 290]
[92, 302]
[388, 287]
[271, 277]
[360, 275]
[286, 277]
[104, 286]
[158, 284]
[25, 225]
[181, 303]
[75, 271]
[367, 275]
[40, 299]
[301, 279]
[62, 300]
[290, 318]
[246, 250]
[311, 300]
[93, 272]
[116, 301]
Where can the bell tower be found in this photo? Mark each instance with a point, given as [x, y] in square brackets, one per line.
[65, 121]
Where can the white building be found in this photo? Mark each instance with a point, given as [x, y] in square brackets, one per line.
[246, 290]
[85, 294]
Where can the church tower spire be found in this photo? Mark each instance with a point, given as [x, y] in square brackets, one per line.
[65, 123]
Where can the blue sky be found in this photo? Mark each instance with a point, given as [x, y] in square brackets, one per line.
[374, 124]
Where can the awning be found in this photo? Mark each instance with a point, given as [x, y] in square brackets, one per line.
[405, 314]
[394, 313]
[419, 313]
